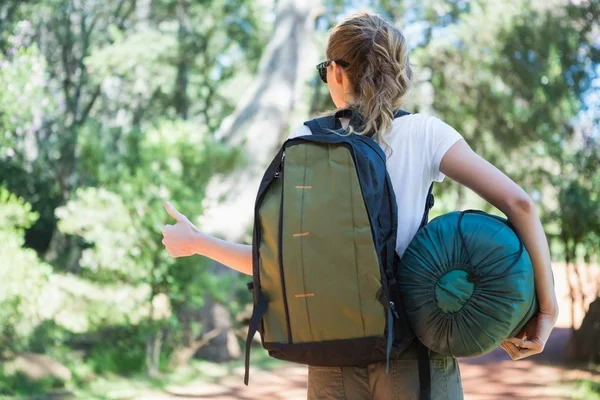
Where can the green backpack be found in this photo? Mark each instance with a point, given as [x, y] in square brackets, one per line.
[324, 259]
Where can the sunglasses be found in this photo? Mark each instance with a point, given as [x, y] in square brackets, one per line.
[322, 68]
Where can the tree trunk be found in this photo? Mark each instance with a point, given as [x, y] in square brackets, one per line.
[580, 286]
[570, 283]
[259, 124]
[181, 100]
[584, 345]
[153, 349]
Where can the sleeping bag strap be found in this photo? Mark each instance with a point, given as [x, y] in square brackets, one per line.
[424, 372]
[429, 202]
[260, 308]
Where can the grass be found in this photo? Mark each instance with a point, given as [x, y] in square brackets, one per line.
[585, 390]
[113, 387]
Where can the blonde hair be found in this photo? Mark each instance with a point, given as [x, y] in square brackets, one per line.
[379, 70]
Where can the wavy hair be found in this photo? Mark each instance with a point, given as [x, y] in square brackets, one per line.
[379, 69]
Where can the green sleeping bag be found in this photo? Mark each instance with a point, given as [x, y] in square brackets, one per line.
[467, 283]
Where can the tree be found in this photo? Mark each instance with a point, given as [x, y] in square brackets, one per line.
[112, 130]
[259, 124]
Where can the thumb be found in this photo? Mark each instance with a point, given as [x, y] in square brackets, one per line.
[179, 217]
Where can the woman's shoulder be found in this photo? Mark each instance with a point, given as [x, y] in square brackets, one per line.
[302, 130]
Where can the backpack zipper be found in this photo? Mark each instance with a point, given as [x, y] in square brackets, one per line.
[279, 175]
[279, 169]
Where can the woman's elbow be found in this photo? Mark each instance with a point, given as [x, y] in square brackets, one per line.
[520, 205]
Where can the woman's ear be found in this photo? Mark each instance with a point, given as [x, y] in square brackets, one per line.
[338, 73]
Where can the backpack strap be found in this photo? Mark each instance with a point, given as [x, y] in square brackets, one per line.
[429, 202]
[319, 126]
[324, 125]
[260, 308]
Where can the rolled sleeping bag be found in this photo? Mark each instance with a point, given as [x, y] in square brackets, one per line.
[467, 283]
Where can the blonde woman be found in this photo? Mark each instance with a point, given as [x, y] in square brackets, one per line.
[367, 69]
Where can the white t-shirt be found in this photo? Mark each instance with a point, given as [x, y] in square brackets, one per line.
[419, 143]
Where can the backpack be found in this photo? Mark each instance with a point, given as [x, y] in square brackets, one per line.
[324, 277]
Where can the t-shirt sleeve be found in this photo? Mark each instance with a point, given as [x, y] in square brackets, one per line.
[300, 131]
[440, 138]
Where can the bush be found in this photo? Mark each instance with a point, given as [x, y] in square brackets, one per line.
[20, 385]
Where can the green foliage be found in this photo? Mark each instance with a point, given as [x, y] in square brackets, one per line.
[586, 390]
[23, 100]
[20, 385]
[103, 221]
[23, 278]
[124, 356]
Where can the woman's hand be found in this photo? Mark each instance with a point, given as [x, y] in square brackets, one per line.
[532, 338]
[179, 238]
[184, 239]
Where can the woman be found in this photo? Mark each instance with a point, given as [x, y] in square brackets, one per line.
[368, 70]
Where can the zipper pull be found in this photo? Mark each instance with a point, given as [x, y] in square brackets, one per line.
[393, 308]
[280, 168]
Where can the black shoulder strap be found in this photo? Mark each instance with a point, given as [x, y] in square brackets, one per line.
[323, 125]
[400, 113]
[429, 202]
[319, 126]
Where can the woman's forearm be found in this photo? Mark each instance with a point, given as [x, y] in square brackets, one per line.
[233, 255]
[524, 217]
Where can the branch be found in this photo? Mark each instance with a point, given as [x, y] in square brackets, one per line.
[183, 355]
[66, 44]
[88, 107]
[126, 15]
[140, 111]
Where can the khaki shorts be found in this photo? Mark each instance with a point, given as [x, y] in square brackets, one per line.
[372, 383]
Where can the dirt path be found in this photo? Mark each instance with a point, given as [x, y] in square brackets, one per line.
[491, 377]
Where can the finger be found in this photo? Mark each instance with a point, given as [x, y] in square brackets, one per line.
[179, 217]
[507, 350]
[516, 341]
[511, 349]
[524, 353]
[526, 344]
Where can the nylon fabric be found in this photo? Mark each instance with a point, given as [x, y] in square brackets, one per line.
[275, 329]
[322, 284]
[503, 296]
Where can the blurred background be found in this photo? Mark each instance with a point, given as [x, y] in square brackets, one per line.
[108, 108]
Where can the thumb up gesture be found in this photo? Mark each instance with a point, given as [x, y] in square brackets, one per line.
[179, 239]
